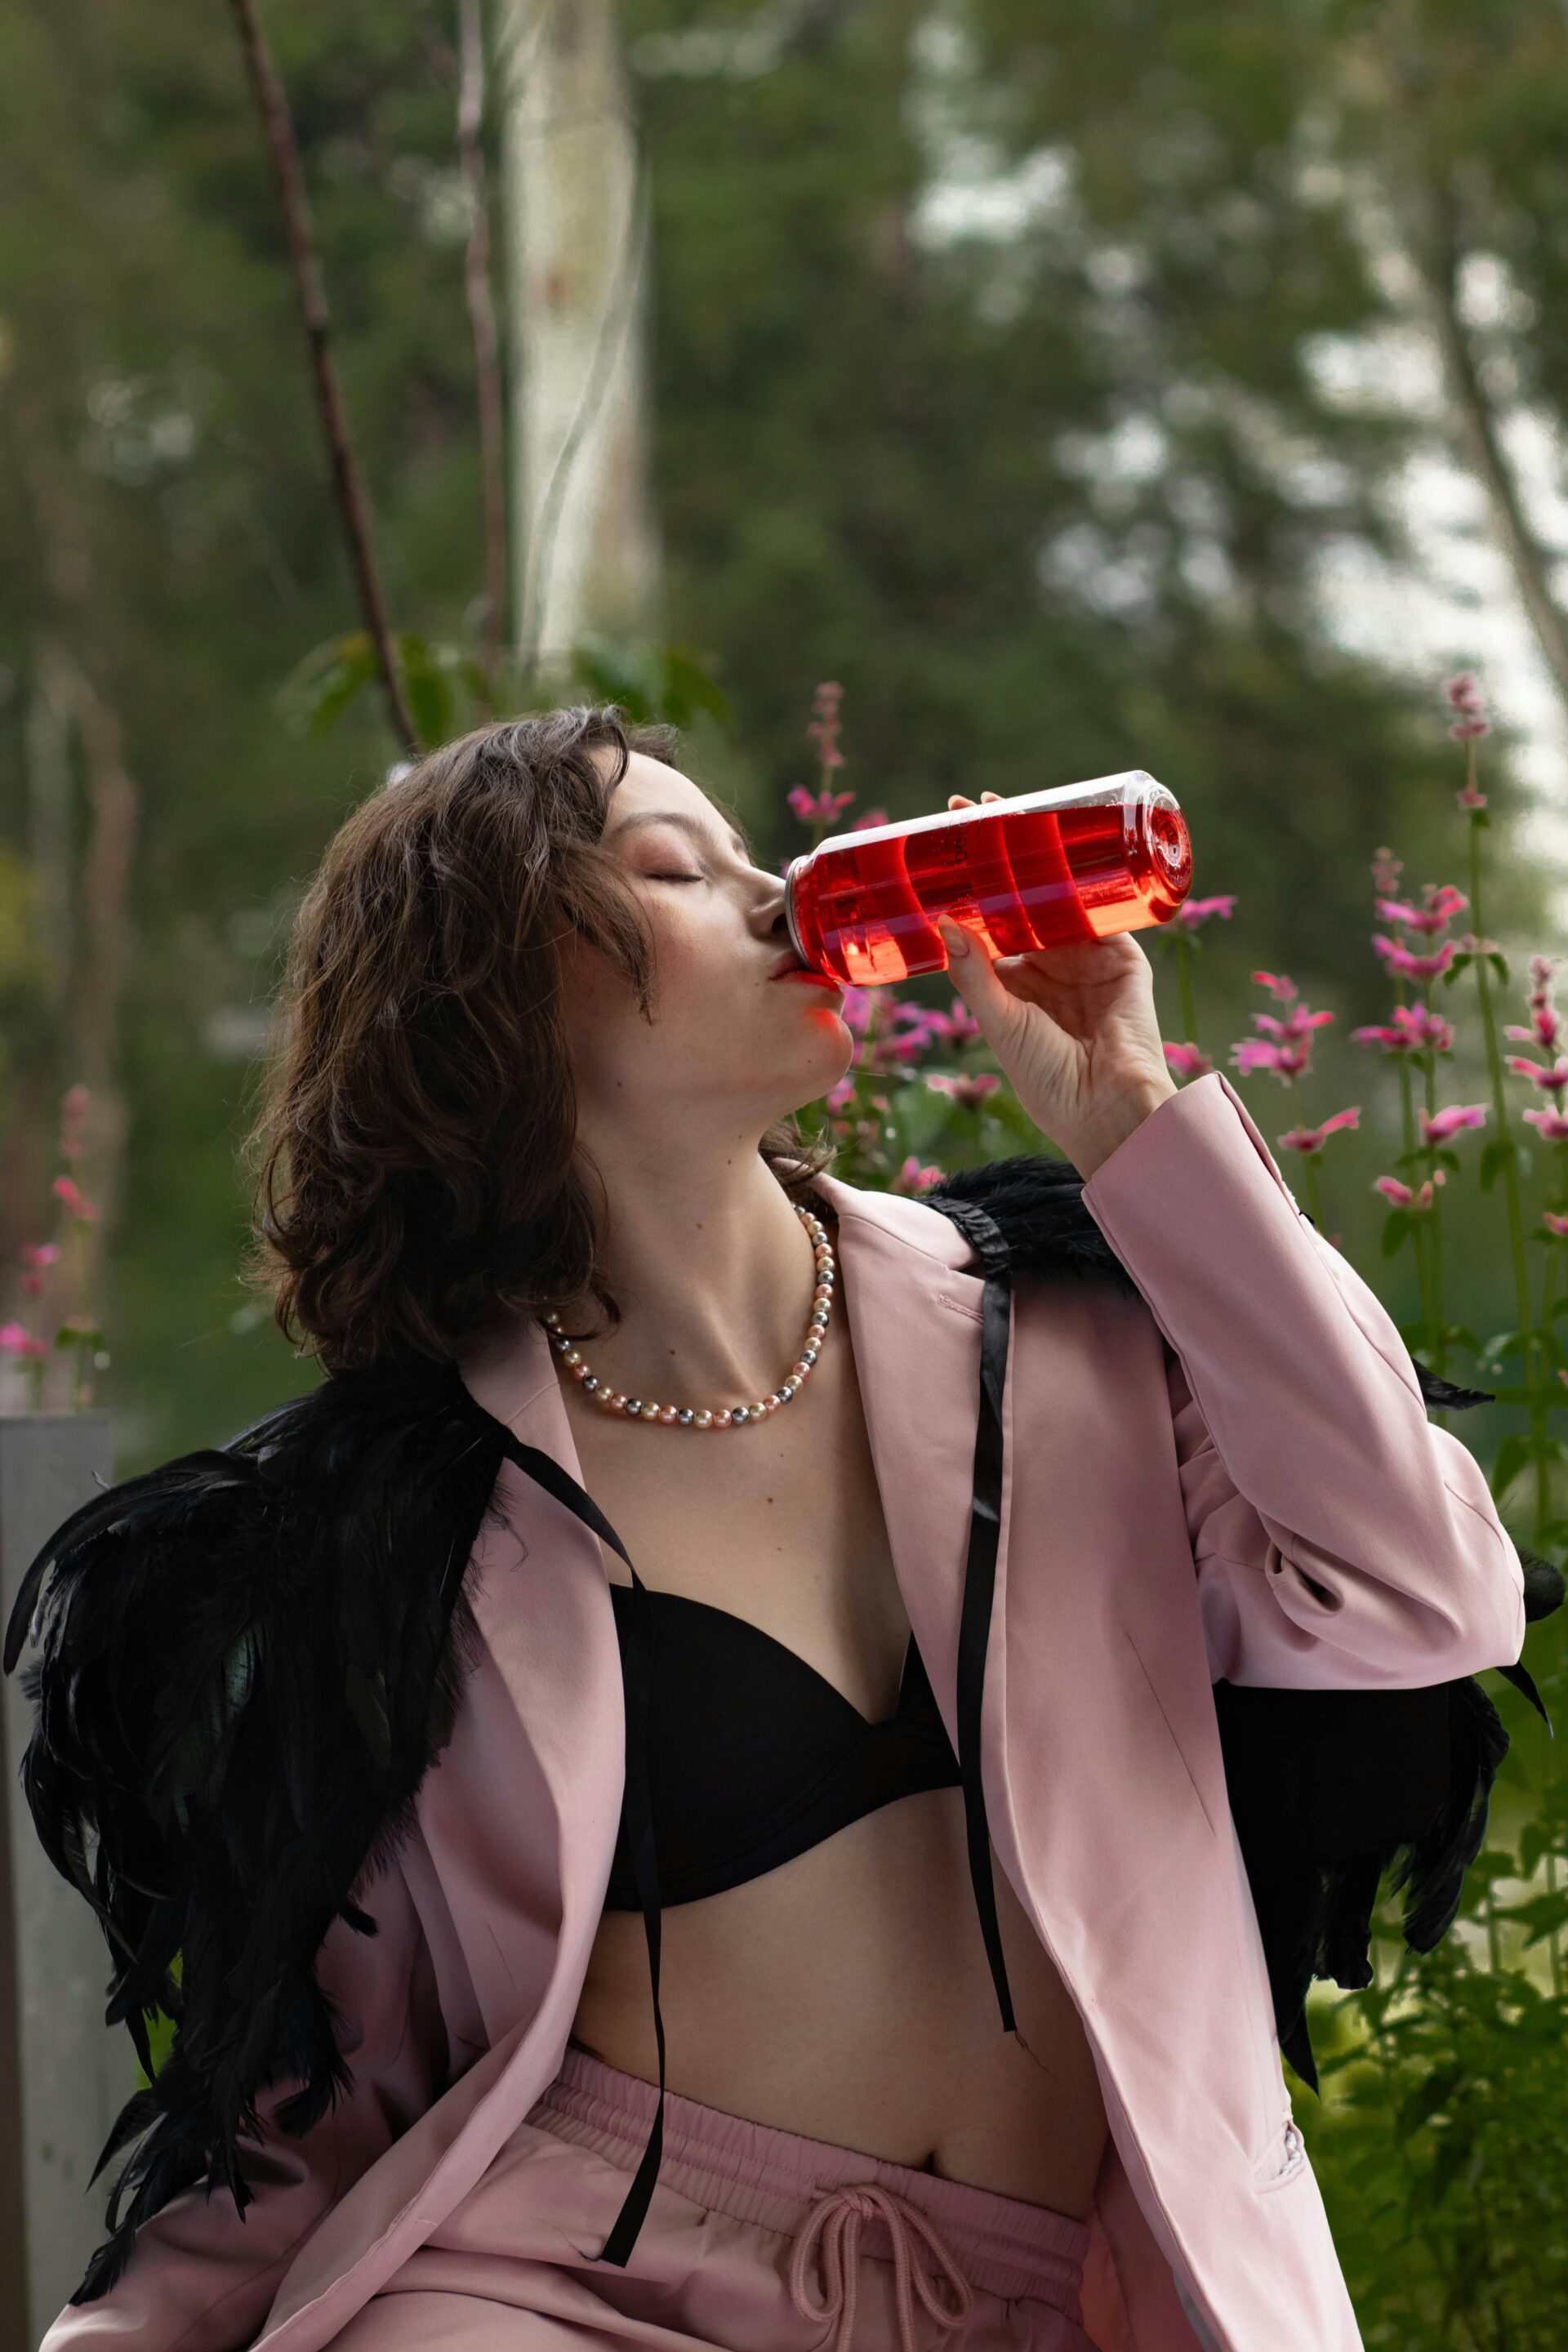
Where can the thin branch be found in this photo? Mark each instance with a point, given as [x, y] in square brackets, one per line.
[482, 320]
[311, 293]
[614, 323]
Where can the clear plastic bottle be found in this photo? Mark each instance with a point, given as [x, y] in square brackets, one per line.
[1074, 862]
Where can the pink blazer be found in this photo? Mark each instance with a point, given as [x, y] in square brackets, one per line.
[1271, 1505]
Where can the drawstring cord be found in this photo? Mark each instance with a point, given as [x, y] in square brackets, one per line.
[836, 2220]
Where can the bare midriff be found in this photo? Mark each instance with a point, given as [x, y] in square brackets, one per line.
[845, 1995]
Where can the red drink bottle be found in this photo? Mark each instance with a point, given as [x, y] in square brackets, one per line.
[1075, 862]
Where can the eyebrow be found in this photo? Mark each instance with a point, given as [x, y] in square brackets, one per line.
[692, 825]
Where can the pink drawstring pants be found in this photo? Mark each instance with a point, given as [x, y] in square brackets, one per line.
[756, 2240]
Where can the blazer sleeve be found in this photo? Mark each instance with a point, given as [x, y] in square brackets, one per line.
[203, 2276]
[1341, 1538]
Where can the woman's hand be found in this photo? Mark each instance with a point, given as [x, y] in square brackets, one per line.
[1073, 1028]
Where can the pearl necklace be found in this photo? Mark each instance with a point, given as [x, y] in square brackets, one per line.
[740, 1416]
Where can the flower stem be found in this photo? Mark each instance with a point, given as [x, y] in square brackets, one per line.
[1529, 1352]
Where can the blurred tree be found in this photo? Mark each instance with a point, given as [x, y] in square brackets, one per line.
[577, 270]
[986, 378]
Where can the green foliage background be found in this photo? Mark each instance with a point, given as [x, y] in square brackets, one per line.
[1049, 504]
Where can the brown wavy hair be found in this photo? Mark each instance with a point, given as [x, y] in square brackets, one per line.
[418, 1178]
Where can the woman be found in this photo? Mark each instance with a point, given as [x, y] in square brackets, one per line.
[542, 1049]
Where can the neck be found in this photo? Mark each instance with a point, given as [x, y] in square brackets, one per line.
[713, 1272]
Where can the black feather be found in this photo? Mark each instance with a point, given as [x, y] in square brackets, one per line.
[1330, 1791]
[246, 1660]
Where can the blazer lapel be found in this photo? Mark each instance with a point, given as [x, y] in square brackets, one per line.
[914, 1317]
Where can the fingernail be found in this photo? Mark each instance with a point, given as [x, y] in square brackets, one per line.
[957, 938]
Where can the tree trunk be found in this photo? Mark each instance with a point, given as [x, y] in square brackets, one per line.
[584, 552]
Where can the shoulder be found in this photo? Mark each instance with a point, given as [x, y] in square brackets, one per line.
[1025, 1211]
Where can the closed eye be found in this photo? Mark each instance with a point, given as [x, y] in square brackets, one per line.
[678, 877]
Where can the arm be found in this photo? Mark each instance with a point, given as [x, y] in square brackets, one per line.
[1340, 1540]
[203, 2276]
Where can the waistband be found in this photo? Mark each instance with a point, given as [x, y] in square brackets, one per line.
[784, 2182]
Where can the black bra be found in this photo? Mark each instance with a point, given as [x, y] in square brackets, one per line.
[755, 1757]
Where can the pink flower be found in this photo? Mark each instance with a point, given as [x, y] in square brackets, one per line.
[18, 1340]
[1437, 1126]
[76, 1202]
[1443, 903]
[38, 1253]
[1257, 1054]
[1557, 1224]
[969, 1093]
[818, 808]
[855, 1010]
[1312, 1138]
[1414, 967]
[1194, 912]
[823, 731]
[1401, 1195]
[914, 1178]
[871, 817]
[1286, 1046]
[1469, 798]
[1554, 1124]
[925, 1026]
[1464, 695]
[1552, 1080]
[844, 1092]
[1387, 870]
[1187, 1061]
[1411, 1028]
[1546, 1026]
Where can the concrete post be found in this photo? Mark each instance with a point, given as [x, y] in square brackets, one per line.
[63, 2074]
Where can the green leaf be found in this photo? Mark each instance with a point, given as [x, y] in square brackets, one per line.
[1493, 1158]
[1455, 969]
[1540, 1913]
[1425, 2100]
[328, 679]
[428, 688]
[689, 687]
[1512, 1455]
[1499, 966]
[75, 1333]
[1396, 1228]
[616, 674]
[1534, 1840]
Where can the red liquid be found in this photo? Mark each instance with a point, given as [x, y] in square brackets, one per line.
[864, 907]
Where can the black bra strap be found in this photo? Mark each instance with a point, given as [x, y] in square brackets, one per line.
[638, 1682]
[980, 1571]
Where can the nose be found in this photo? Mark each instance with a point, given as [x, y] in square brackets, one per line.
[836, 2220]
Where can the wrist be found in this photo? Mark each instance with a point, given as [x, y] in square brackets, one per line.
[1091, 1150]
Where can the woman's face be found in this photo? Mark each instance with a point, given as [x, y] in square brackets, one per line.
[731, 1048]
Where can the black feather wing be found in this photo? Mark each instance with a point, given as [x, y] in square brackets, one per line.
[1330, 1791]
[244, 1662]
